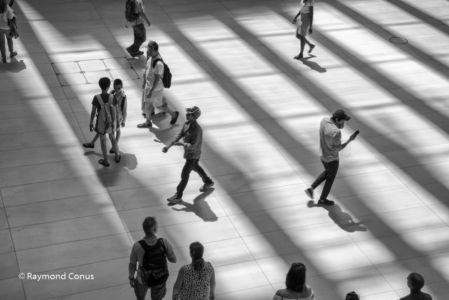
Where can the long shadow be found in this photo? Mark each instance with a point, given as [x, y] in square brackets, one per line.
[437, 24]
[385, 34]
[297, 150]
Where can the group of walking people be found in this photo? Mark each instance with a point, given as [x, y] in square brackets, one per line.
[148, 268]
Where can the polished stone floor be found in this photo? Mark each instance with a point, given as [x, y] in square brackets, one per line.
[386, 62]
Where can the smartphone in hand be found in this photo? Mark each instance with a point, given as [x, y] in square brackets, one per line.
[355, 134]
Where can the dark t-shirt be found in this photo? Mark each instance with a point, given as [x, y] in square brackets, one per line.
[417, 296]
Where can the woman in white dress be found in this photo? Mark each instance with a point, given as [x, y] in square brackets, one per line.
[304, 25]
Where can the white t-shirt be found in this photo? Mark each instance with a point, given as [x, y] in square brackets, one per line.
[150, 73]
[4, 17]
[330, 140]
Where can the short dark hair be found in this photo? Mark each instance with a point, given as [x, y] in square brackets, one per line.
[416, 281]
[149, 225]
[296, 277]
[104, 83]
[154, 45]
[118, 82]
[352, 296]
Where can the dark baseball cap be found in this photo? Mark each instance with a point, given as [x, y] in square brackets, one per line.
[341, 115]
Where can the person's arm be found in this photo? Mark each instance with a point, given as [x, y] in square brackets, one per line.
[212, 285]
[296, 17]
[124, 109]
[143, 14]
[351, 138]
[175, 140]
[92, 116]
[178, 284]
[311, 19]
[132, 267]
[169, 251]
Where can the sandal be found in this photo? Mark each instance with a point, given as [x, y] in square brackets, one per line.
[118, 158]
[103, 162]
[88, 145]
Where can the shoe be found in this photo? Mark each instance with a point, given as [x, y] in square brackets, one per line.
[309, 193]
[207, 186]
[311, 48]
[175, 118]
[145, 125]
[111, 150]
[103, 162]
[88, 145]
[118, 158]
[4, 60]
[326, 202]
[14, 53]
[299, 56]
[174, 199]
[138, 53]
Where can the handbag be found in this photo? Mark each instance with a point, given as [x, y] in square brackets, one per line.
[13, 32]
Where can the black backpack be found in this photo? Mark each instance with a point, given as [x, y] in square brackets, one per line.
[130, 11]
[166, 77]
[154, 268]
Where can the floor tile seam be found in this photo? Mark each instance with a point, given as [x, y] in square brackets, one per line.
[89, 291]
[245, 289]
[13, 245]
[105, 236]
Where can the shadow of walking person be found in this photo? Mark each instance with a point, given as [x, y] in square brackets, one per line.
[313, 65]
[200, 207]
[341, 218]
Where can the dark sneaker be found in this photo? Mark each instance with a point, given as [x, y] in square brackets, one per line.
[174, 199]
[299, 56]
[4, 60]
[111, 150]
[145, 125]
[206, 186]
[311, 48]
[326, 202]
[174, 118]
[14, 53]
[88, 145]
[309, 193]
[138, 53]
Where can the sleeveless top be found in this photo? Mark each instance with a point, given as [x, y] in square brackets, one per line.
[195, 284]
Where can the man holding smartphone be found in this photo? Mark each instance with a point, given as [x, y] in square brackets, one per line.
[330, 145]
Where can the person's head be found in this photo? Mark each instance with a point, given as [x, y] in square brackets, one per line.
[339, 117]
[352, 296]
[118, 85]
[149, 225]
[196, 253]
[192, 113]
[104, 83]
[296, 277]
[3, 5]
[152, 48]
[415, 281]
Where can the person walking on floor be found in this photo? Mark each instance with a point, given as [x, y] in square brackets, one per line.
[149, 258]
[153, 88]
[330, 145]
[136, 17]
[192, 134]
[6, 15]
[304, 25]
[196, 281]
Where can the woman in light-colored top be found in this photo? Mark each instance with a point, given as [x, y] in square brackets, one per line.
[6, 13]
[304, 25]
[195, 281]
[296, 287]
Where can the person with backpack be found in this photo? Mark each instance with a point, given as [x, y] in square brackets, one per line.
[148, 263]
[157, 76]
[120, 105]
[135, 16]
[196, 281]
[104, 112]
[192, 134]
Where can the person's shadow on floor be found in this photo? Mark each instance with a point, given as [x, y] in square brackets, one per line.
[341, 218]
[313, 65]
[15, 66]
[199, 207]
